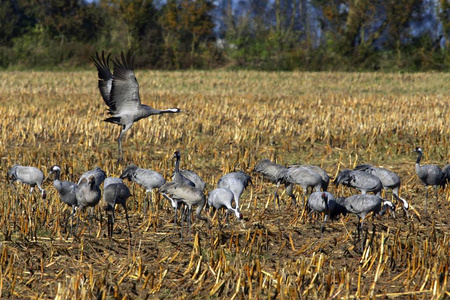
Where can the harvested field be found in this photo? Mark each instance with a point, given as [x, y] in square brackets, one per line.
[332, 120]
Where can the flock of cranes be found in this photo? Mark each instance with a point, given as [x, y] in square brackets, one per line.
[120, 92]
[187, 189]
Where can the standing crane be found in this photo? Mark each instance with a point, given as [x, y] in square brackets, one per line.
[115, 193]
[360, 180]
[187, 195]
[362, 204]
[223, 197]
[120, 91]
[389, 180]
[185, 176]
[322, 202]
[66, 190]
[429, 175]
[276, 174]
[147, 178]
[31, 176]
[305, 178]
[88, 195]
[98, 174]
[236, 182]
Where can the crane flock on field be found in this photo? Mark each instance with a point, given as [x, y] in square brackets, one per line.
[187, 190]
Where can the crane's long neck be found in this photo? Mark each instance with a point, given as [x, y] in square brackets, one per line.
[419, 157]
[177, 165]
[199, 209]
[325, 201]
[148, 111]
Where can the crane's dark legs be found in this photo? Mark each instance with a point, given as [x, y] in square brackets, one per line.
[290, 191]
[128, 221]
[426, 198]
[275, 195]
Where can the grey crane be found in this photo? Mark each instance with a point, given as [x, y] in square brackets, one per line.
[429, 175]
[120, 92]
[147, 178]
[223, 198]
[189, 196]
[362, 204]
[304, 177]
[31, 176]
[236, 182]
[97, 172]
[185, 176]
[324, 175]
[389, 180]
[66, 189]
[276, 174]
[88, 194]
[360, 180]
[322, 202]
[111, 180]
[115, 193]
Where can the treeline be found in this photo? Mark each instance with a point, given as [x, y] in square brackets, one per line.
[260, 34]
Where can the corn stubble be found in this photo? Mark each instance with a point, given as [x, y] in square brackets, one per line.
[333, 120]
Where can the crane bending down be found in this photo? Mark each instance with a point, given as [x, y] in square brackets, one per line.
[223, 197]
[120, 91]
[28, 175]
[389, 180]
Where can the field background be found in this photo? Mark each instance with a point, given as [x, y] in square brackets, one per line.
[333, 120]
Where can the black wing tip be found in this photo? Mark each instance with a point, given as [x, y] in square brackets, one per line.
[124, 61]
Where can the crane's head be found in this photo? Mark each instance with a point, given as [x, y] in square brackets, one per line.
[418, 150]
[55, 169]
[177, 155]
[238, 213]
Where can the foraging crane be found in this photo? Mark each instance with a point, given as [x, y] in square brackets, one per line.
[66, 189]
[187, 195]
[185, 176]
[115, 193]
[236, 182]
[305, 178]
[324, 175]
[97, 172]
[111, 180]
[276, 174]
[147, 178]
[389, 180]
[88, 194]
[120, 91]
[223, 197]
[429, 174]
[362, 204]
[360, 180]
[322, 202]
[28, 175]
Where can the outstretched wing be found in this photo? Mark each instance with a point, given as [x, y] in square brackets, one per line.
[125, 88]
[105, 77]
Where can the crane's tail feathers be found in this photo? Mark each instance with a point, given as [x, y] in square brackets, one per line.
[115, 120]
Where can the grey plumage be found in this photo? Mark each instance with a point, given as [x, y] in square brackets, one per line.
[236, 182]
[389, 180]
[445, 175]
[188, 195]
[120, 92]
[304, 177]
[322, 202]
[360, 180]
[88, 193]
[115, 193]
[185, 176]
[223, 198]
[147, 178]
[98, 174]
[324, 175]
[111, 180]
[363, 204]
[429, 175]
[31, 176]
[66, 189]
[275, 173]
